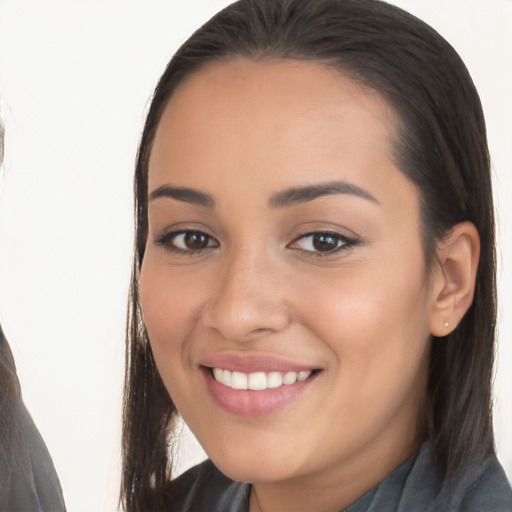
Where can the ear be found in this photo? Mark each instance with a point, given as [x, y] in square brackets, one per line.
[453, 281]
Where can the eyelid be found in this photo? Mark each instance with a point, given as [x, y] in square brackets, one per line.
[344, 242]
[167, 238]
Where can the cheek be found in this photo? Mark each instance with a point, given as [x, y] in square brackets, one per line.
[375, 325]
[372, 317]
[170, 305]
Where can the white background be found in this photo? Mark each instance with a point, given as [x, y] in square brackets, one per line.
[75, 80]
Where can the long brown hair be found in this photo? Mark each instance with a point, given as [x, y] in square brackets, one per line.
[441, 147]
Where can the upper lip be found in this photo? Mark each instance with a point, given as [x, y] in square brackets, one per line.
[246, 363]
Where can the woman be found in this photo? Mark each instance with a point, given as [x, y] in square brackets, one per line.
[314, 281]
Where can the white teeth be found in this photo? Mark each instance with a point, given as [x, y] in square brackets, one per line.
[259, 380]
[226, 378]
[303, 376]
[238, 380]
[274, 380]
[290, 378]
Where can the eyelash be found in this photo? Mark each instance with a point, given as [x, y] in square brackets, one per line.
[167, 240]
[343, 242]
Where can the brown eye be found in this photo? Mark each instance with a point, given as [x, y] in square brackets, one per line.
[325, 242]
[195, 240]
[322, 243]
[187, 241]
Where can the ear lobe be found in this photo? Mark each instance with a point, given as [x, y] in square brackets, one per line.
[453, 283]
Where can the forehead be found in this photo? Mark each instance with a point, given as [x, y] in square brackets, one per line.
[245, 113]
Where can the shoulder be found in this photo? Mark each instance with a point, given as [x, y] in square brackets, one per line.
[481, 487]
[416, 486]
[28, 480]
[484, 488]
[204, 488]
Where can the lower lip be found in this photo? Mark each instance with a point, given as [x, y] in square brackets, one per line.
[246, 402]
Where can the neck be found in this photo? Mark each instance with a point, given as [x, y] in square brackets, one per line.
[329, 492]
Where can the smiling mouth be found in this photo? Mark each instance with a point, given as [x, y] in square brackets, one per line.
[265, 386]
[258, 381]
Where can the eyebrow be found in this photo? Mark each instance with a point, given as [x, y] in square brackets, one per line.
[187, 195]
[286, 198]
[298, 195]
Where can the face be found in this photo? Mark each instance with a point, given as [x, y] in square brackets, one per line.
[284, 285]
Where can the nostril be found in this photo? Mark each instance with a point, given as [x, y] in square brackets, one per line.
[244, 320]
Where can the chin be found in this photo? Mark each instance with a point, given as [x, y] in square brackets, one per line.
[242, 468]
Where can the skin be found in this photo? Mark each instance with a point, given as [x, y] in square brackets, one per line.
[242, 132]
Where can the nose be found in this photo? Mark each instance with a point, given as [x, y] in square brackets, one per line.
[248, 300]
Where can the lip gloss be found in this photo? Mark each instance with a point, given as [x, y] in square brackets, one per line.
[295, 378]
[246, 402]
